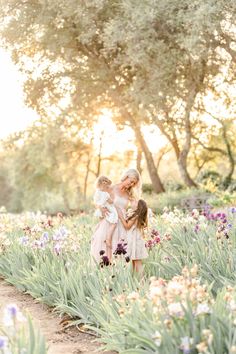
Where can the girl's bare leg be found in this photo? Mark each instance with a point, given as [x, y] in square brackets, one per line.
[138, 266]
[109, 241]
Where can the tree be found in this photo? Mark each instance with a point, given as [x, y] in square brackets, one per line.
[151, 60]
[173, 52]
[52, 35]
[45, 161]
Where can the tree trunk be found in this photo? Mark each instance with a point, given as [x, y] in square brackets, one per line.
[229, 176]
[86, 177]
[139, 159]
[155, 178]
[100, 155]
[156, 181]
[184, 172]
[181, 155]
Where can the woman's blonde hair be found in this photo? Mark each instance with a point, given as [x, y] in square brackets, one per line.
[134, 191]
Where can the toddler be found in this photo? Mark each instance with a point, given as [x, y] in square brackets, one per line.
[102, 199]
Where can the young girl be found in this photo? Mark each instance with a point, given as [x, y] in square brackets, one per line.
[102, 199]
[135, 224]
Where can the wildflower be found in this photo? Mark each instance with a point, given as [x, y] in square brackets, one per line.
[154, 233]
[185, 345]
[156, 240]
[232, 305]
[176, 309]
[202, 309]
[195, 213]
[194, 271]
[168, 323]
[167, 237]
[12, 314]
[57, 249]
[121, 249]
[121, 312]
[3, 343]
[197, 228]
[45, 236]
[63, 231]
[208, 336]
[149, 244]
[202, 347]
[104, 261]
[157, 338]
[120, 298]
[23, 240]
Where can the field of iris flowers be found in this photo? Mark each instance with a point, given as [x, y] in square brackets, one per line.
[184, 303]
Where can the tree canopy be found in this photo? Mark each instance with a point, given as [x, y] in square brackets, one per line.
[150, 62]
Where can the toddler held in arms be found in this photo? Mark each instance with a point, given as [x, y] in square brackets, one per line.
[102, 199]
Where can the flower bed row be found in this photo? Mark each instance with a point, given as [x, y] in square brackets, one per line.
[185, 303]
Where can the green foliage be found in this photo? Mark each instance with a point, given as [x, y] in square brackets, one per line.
[18, 334]
[132, 316]
[147, 188]
[171, 199]
[212, 176]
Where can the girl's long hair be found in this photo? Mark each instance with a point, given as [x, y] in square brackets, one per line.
[141, 213]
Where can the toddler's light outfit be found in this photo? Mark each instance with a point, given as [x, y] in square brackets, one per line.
[101, 200]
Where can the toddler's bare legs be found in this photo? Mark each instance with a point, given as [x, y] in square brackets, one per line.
[111, 229]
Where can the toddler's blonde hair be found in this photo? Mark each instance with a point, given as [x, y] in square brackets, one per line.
[102, 180]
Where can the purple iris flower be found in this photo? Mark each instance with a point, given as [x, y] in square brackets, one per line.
[24, 240]
[3, 342]
[120, 249]
[104, 261]
[12, 310]
[45, 236]
[57, 249]
[63, 231]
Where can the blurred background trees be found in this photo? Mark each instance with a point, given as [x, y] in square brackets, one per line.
[163, 65]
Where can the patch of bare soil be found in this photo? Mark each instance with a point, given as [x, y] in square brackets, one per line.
[59, 340]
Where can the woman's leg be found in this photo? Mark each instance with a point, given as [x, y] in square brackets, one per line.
[110, 231]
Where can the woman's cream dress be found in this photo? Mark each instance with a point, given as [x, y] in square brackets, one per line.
[119, 235]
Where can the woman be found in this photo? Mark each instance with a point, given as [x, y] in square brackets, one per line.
[124, 193]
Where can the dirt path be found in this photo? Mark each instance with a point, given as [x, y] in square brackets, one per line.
[60, 341]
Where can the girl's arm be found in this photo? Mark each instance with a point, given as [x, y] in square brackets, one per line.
[127, 224]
